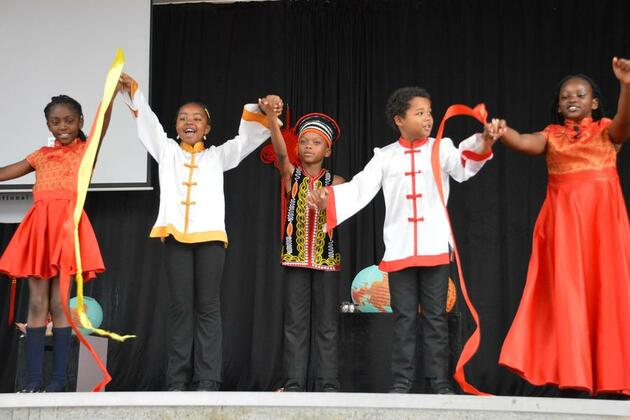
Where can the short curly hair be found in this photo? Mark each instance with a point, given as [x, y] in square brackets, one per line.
[398, 102]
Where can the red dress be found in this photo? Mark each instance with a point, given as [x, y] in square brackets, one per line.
[37, 247]
[572, 328]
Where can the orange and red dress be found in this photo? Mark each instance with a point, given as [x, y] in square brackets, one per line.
[572, 327]
[37, 247]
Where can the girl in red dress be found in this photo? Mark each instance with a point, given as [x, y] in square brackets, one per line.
[38, 246]
[572, 328]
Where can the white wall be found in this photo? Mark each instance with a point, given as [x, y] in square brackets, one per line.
[50, 47]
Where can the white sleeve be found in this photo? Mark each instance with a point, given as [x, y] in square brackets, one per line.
[464, 161]
[350, 197]
[150, 131]
[252, 132]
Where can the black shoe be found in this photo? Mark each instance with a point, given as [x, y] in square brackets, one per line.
[441, 386]
[400, 388]
[329, 384]
[207, 386]
[293, 386]
[177, 386]
[55, 387]
[31, 388]
[330, 388]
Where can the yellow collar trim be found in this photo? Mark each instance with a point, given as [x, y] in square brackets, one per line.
[198, 147]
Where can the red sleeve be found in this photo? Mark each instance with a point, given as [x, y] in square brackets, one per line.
[33, 158]
[547, 130]
[331, 212]
[604, 123]
[470, 155]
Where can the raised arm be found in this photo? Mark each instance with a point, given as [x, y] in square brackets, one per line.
[108, 112]
[106, 119]
[272, 108]
[15, 170]
[530, 144]
[252, 132]
[470, 156]
[619, 129]
[150, 131]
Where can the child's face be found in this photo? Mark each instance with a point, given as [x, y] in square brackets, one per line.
[312, 148]
[192, 124]
[575, 101]
[418, 120]
[64, 123]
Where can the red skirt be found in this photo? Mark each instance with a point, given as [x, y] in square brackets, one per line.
[572, 328]
[37, 247]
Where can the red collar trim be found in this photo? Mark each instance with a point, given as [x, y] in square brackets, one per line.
[412, 144]
[582, 124]
[322, 171]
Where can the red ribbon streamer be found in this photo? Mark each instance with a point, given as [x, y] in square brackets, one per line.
[12, 301]
[472, 344]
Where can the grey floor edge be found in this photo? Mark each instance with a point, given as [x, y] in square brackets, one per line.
[268, 405]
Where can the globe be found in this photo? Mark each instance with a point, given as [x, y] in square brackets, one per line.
[92, 309]
[370, 291]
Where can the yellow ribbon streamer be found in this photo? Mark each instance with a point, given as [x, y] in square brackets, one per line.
[84, 178]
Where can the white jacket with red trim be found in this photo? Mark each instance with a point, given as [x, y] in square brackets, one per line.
[416, 231]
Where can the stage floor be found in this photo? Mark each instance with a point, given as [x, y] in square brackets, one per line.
[273, 405]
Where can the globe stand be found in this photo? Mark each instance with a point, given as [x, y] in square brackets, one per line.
[89, 373]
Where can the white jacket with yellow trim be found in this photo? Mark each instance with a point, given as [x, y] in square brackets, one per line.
[192, 204]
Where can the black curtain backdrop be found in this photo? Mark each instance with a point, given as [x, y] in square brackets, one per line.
[343, 58]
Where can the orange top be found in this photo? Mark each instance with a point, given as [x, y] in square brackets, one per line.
[56, 167]
[574, 147]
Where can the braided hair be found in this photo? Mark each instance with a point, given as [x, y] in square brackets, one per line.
[597, 114]
[68, 101]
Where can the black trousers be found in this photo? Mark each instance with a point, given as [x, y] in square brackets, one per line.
[194, 274]
[428, 286]
[310, 305]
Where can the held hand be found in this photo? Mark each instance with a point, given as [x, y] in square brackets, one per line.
[317, 199]
[271, 105]
[621, 68]
[492, 131]
[118, 89]
[503, 128]
[125, 83]
[277, 103]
